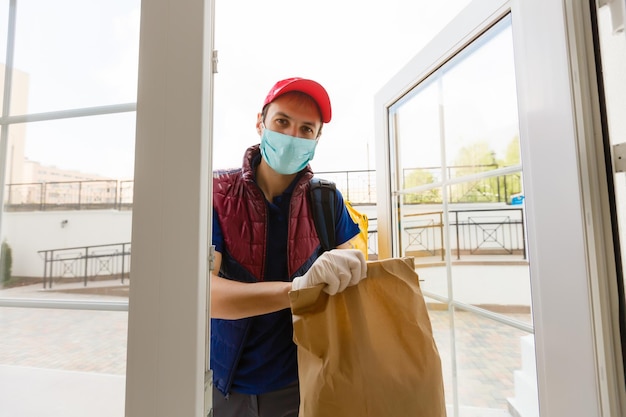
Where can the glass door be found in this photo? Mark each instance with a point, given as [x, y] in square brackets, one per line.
[492, 140]
[459, 200]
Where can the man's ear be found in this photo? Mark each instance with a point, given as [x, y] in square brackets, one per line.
[259, 120]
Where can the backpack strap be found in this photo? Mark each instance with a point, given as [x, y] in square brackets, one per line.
[323, 202]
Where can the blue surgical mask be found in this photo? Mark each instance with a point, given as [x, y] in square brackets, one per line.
[286, 154]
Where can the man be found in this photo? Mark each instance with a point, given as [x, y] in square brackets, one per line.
[266, 246]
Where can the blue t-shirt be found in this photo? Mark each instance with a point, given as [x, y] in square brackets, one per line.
[269, 360]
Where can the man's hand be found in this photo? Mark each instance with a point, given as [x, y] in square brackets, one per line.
[337, 268]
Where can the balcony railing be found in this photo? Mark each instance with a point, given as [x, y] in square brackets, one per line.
[79, 264]
[474, 232]
[497, 231]
[480, 231]
[69, 195]
[358, 187]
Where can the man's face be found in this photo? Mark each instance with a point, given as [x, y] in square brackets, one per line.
[292, 114]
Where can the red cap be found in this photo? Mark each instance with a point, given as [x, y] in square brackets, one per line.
[309, 87]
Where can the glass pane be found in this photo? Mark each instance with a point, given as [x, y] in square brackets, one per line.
[441, 323]
[480, 106]
[421, 235]
[421, 227]
[66, 362]
[506, 188]
[434, 279]
[495, 366]
[68, 196]
[481, 232]
[461, 215]
[77, 54]
[66, 218]
[417, 128]
[82, 341]
[494, 281]
[96, 147]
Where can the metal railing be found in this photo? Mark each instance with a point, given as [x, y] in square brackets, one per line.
[474, 232]
[498, 231]
[82, 263]
[358, 187]
[489, 231]
[69, 195]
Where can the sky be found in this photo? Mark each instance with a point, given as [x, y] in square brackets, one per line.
[351, 47]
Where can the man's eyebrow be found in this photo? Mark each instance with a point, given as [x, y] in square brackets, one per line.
[286, 116]
[282, 114]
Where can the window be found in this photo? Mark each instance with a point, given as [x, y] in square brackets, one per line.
[68, 137]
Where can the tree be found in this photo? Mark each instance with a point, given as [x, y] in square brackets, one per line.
[472, 159]
[415, 178]
[512, 155]
[479, 157]
[513, 182]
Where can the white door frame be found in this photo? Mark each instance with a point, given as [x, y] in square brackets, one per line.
[168, 308]
[571, 362]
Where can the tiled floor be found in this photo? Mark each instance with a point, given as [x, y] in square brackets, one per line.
[61, 363]
[488, 353]
[73, 340]
[95, 342]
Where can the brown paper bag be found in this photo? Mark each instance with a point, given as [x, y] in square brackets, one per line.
[368, 351]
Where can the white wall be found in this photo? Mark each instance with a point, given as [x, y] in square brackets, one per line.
[29, 232]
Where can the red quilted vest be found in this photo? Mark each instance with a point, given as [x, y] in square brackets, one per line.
[242, 214]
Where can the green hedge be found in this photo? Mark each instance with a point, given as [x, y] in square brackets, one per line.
[6, 262]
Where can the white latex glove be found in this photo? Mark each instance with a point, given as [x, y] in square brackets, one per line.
[337, 268]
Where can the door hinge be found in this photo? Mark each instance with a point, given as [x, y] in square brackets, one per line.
[619, 157]
[214, 61]
[208, 394]
[211, 258]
